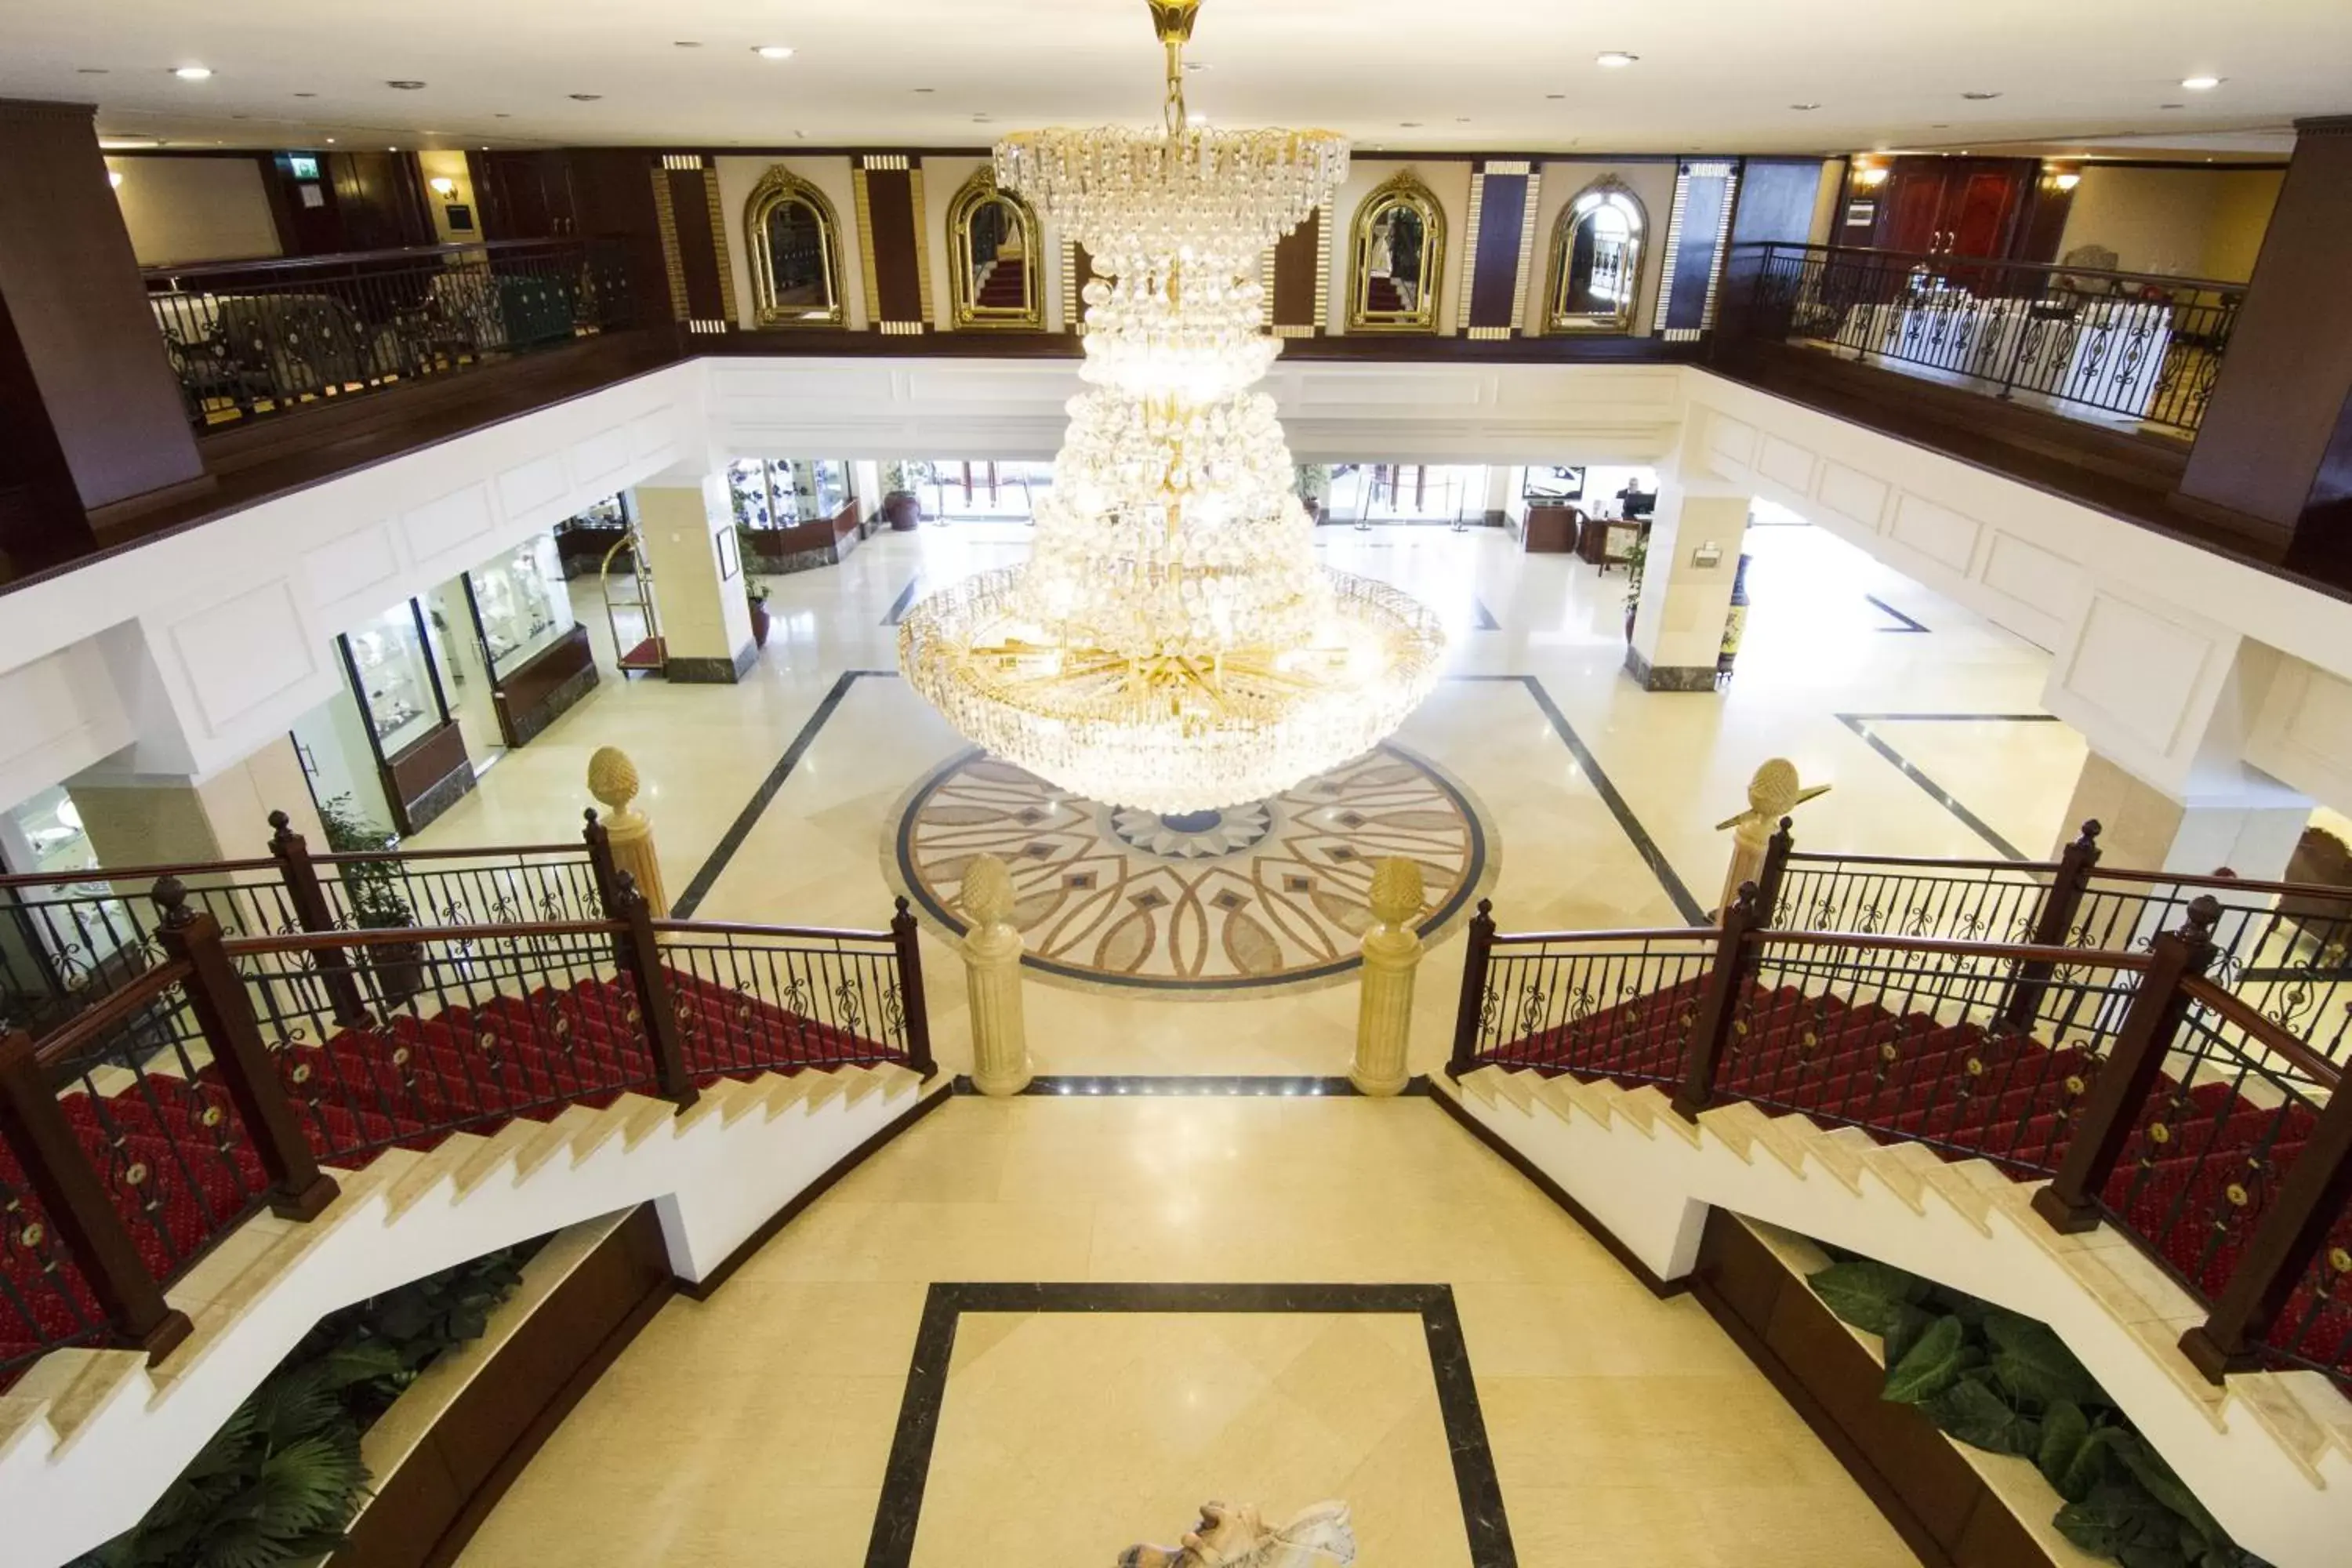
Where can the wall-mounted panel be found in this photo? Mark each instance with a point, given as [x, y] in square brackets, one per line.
[1939, 533]
[1697, 232]
[1786, 464]
[2141, 669]
[891, 240]
[438, 527]
[64, 714]
[2035, 577]
[1302, 277]
[2304, 734]
[351, 565]
[1498, 242]
[1853, 496]
[694, 241]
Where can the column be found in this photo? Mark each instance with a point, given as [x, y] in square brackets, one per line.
[1392, 950]
[706, 621]
[1686, 578]
[2252, 830]
[144, 819]
[991, 969]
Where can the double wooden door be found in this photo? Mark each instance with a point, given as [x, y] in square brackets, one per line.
[1949, 206]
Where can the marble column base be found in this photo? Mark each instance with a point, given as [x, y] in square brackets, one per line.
[712, 672]
[1668, 677]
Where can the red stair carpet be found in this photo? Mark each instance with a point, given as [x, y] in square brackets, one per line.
[2191, 1185]
[182, 1174]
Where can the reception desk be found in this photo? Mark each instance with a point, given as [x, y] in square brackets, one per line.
[1550, 530]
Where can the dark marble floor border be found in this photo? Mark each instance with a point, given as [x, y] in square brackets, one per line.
[1859, 723]
[892, 1544]
[1484, 620]
[905, 600]
[715, 865]
[1060, 1086]
[1643, 845]
[1908, 625]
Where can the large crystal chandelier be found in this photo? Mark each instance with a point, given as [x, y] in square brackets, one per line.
[1171, 643]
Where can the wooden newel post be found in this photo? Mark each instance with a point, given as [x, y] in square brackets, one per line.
[1392, 949]
[1475, 959]
[904, 940]
[991, 978]
[2060, 909]
[223, 1013]
[2310, 1202]
[73, 1200]
[1718, 1013]
[2070, 1202]
[313, 913]
[638, 953]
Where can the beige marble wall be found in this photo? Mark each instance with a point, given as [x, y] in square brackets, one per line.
[140, 820]
[1652, 184]
[2144, 829]
[737, 179]
[701, 616]
[1449, 182]
[1684, 603]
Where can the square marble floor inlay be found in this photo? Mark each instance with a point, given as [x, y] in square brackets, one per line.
[1065, 1438]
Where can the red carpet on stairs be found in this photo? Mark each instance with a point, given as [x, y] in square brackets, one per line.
[182, 1172]
[2200, 1165]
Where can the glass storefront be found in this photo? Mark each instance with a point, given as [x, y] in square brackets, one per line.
[393, 676]
[59, 943]
[782, 492]
[521, 603]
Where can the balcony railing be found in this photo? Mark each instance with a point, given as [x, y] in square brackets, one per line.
[2132, 349]
[255, 338]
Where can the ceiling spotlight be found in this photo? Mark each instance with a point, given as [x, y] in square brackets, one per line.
[1555, 97]
[331, 140]
[580, 98]
[1804, 107]
[305, 95]
[2200, 83]
[90, 70]
[1979, 97]
[774, 51]
[1196, 65]
[192, 73]
[404, 85]
[2172, 106]
[687, 44]
[1615, 60]
[391, 149]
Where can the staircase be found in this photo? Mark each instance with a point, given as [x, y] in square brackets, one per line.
[2103, 1099]
[1004, 285]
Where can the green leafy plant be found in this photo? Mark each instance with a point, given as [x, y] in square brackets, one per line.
[2007, 1384]
[372, 887]
[1637, 561]
[279, 1482]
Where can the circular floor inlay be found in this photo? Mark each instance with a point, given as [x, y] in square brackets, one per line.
[1262, 893]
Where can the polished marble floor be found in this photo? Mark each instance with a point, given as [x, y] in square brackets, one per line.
[776, 799]
[759, 1427]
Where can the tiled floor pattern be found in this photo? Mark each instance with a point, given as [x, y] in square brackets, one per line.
[755, 1428]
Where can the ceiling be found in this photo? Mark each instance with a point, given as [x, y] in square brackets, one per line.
[1421, 74]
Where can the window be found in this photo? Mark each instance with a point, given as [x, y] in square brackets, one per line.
[795, 253]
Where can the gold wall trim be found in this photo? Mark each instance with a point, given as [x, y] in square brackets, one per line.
[1521, 281]
[1464, 300]
[1488, 334]
[1266, 283]
[922, 243]
[1071, 321]
[665, 222]
[887, 161]
[1509, 166]
[865, 248]
[681, 161]
[719, 237]
[1323, 267]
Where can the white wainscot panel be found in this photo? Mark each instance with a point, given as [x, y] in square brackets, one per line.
[1938, 532]
[1853, 496]
[358, 562]
[602, 456]
[440, 527]
[1730, 443]
[241, 652]
[2138, 669]
[1786, 464]
[1395, 389]
[63, 715]
[527, 487]
[866, 385]
[1046, 388]
[650, 435]
[2033, 576]
[1585, 387]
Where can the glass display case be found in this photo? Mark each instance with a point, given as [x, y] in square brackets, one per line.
[393, 676]
[520, 604]
[781, 492]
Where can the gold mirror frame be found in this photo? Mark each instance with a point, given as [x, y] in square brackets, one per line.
[1606, 191]
[981, 190]
[775, 188]
[1406, 191]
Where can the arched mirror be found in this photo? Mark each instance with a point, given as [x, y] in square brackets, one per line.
[795, 253]
[1596, 261]
[1400, 255]
[995, 262]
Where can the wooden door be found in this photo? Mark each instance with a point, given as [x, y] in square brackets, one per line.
[525, 196]
[1914, 220]
[1977, 208]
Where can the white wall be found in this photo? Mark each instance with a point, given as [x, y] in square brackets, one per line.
[195, 209]
[2198, 223]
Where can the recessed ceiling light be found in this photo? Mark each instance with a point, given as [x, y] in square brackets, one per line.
[1555, 96]
[1802, 107]
[305, 95]
[1615, 60]
[925, 89]
[90, 70]
[391, 149]
[1196, 65]
[1979, 97]
[774, 51]
[192, 73]
[1409, 124]
[687, 44]
[584, 97]
[2172, 106]
[2200, 83]
[331, 140]
[405, 86]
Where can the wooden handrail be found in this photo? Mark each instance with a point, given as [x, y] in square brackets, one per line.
[345, 856]
[798, 933]
[1923, 861]
[1942, 259]
[2021, 952]
[341, 258]
[148, 874]
[392, 936]
[103, 1015]
[1654, 933]
[2268, 1035]
[2236, 884]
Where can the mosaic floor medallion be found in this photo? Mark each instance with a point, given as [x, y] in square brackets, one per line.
[1266, 894]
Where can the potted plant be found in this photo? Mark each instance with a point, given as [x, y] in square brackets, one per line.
[373, 895]
[1315, 488]
[1637, 556]
[756, 595]
[900, 504]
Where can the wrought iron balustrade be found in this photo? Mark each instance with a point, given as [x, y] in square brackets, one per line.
[2135, 348]
[255, 338]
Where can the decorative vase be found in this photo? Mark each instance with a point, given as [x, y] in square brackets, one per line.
[760, 623]
[903, 509]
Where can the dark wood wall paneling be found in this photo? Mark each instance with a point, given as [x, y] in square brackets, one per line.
[95, 412]
[894, 241]
[1931, 1495]
[1494, 270]
[430, 777]
[1774, 205]
[1690, 269]
[2277, 436]
[426, 1511]
[1298, 268]
[612, 199]
[709, 290]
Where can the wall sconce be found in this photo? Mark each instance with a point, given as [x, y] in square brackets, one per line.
[1870, 175]
[443, 185]
[115, 178]
[2067, 181]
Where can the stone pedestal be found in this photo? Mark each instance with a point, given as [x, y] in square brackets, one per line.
[1392, 950]
[991, 969]
[613, 779]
